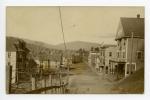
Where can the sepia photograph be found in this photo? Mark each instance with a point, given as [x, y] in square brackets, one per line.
[75, 49]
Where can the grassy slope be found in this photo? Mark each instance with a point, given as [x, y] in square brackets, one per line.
[132, 84]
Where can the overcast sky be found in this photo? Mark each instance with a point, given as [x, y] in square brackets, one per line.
[91, 24]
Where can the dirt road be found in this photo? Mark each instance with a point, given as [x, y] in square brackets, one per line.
[85, 81]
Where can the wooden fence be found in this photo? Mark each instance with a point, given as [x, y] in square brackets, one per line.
[46, 89]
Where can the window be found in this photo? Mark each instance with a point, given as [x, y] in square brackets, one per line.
[8, 63]
[139, 54]
[124, 42]
[124, 54]
[103, 61]
[119, 42]
[9, 54]
[110, 54]
[133, 68]
[120, 48]
[118, 54]
[128, 66]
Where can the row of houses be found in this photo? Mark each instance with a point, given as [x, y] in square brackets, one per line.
[127, 56]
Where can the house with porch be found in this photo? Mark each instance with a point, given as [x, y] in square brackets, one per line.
[110, 53]
[107, 52]
[130, 46]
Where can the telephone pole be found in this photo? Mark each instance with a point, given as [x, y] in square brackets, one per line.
[65, 47]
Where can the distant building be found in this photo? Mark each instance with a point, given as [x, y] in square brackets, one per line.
[79, 56]
[106, 53]
[130, 46]
[11, 61]
[17, 59]
[110, 53]
[102, 58]
[94, 60]
[76, 57]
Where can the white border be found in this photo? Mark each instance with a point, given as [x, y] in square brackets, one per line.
[4, 3]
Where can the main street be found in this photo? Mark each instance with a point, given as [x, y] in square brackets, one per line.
[84, 80]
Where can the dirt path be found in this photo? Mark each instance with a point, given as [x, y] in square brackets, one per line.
[84, 80]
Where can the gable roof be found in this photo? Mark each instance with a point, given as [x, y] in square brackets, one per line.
[135, 25]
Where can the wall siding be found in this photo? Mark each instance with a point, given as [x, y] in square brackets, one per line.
[138, 45]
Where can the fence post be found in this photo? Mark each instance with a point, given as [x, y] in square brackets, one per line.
[9, 78]
[52, 77]
[33, 80]
[49, 81]
[43, 84]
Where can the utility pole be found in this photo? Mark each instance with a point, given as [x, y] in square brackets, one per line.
[132, 34]
[62, 29]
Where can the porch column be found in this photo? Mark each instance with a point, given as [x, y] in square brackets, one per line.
[113, 68]
[126, 70]
[109, 68]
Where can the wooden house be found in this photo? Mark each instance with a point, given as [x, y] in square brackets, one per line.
[130, 46]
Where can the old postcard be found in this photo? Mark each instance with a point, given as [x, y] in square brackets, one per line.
[75, 50]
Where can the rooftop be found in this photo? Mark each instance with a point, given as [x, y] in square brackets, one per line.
[131, 25]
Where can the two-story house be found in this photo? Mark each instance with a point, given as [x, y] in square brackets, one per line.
[130, 46]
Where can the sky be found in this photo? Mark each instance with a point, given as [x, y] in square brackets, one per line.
[91, 24]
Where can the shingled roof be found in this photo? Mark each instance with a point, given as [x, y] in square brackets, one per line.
[129, 25]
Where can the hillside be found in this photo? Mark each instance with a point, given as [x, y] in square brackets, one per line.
[76, 45]
[50, 46]
[132, 84]
[34, 47]
[37, 45]
[10, 41]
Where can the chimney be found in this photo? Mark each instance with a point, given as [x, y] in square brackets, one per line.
[138, 15]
